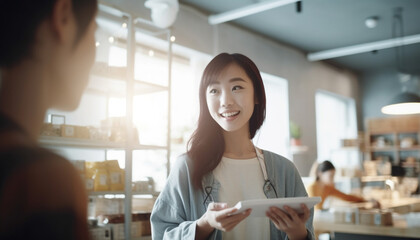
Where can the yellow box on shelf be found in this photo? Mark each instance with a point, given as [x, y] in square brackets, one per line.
[104, 176]
[116, 176]
[72, 131]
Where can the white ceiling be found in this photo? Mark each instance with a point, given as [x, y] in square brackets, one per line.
[328, 24]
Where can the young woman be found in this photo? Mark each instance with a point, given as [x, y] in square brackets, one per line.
[324, 186]
[45, 58]
[222, 166]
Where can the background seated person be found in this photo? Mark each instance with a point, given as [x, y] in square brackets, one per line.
[324, 187]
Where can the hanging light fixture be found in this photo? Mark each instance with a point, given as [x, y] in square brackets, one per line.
[405, 102]
[164, 12]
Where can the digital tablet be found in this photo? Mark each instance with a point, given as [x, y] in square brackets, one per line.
[260, 206]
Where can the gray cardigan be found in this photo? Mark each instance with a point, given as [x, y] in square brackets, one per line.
[179, 205]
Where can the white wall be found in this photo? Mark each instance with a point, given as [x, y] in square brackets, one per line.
[305, 78]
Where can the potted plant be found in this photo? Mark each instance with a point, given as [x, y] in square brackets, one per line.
[295, 134]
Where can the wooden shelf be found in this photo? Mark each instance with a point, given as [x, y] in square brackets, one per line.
[383, 149]
[393, 129]
[95, 144]
[394, 148]
[412, 148]
[111, 80]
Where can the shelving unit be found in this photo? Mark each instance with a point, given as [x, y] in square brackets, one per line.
[120, 82]
[93, 144]
[103, 73]
[391, 132]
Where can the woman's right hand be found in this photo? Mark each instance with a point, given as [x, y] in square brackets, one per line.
[218, 216]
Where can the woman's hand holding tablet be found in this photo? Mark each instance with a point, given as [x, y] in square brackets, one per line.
[261, 206]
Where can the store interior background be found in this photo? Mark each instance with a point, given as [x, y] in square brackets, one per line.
[369, 79]
[329, 100]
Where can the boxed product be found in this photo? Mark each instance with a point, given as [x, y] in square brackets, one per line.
[104, 176]
[345, 216]
[100, 232]
[140, 225]
[375, 217]
[82, 132]
[51, 130]
[72, 131]
[116, 175]
[68, 131]
[101, 177]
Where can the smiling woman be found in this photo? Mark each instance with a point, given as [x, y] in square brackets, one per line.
[210, 124]
[222, 166]
[231, 103]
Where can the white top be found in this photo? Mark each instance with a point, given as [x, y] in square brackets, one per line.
[242, 179]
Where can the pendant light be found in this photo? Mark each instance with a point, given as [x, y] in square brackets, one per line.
[164, 12]
[405, 102]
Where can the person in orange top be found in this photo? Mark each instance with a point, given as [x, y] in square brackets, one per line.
[324, 186]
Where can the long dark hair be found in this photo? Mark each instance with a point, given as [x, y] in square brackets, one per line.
[207, 145]
[324, 167]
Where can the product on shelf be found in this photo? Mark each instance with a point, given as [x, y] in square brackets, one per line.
[51, 130]
[104, 176]
[89, 176]
[72, 131]
[363, 216]
[407, 142]
[116, 175]
[98, 134]
[101, 177]
[140, 225]
[98, 232]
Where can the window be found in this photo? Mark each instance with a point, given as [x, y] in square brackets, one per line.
[274, 134]
[186, 77]
[335, 120]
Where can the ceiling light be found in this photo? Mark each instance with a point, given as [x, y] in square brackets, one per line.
[173, 38]
[248, 10]
[97, 44]
[151, 53]
[111, 39]
[364, 47]
[404, 103]
[124, 25]
[371, 22]
[164, 12]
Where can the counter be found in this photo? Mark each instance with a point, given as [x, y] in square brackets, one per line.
[401, 205]
[398, 231]
[324, 222]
